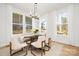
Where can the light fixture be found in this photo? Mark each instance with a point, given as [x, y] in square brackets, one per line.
[34, 15]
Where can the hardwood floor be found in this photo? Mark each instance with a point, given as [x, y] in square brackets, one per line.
[57, 49]
[70, 50]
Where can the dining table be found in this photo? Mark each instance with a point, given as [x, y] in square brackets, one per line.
[29, 39]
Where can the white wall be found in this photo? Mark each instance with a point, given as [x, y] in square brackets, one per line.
[72, 13]
[73, 22]
[5, 24]
[69, 14]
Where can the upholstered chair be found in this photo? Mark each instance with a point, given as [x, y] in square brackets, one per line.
[16, 45]
[39, 44]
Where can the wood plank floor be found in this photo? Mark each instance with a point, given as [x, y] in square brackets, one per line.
[70, 50]
[57, 49]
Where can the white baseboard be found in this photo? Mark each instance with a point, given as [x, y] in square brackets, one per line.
[4, 45]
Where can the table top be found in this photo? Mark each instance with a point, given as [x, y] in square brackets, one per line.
[28, 36]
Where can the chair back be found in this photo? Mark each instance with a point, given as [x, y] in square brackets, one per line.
[41, 38]
[15, 42]
[39, 42]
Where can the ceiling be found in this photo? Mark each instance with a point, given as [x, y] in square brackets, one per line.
[42, 8]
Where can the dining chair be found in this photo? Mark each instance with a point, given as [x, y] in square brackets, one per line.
[16, 46]
[39, 44]
[48, 43]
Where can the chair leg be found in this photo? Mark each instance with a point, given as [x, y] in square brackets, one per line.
[25, 48]
[41, 53]
[44, 51]
[10, 49]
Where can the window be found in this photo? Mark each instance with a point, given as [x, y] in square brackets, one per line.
[17, 23]
[28, 21]
[43, 25]
[62, 25]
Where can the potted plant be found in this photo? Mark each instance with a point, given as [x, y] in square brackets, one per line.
[36, 31]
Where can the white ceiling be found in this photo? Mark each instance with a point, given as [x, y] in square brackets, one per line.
[42, 8]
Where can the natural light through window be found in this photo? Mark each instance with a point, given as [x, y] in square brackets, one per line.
[43, 25]
[62, 25]
[17, 23]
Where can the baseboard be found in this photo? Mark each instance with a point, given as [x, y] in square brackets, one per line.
[64, 43]
[4, 46]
